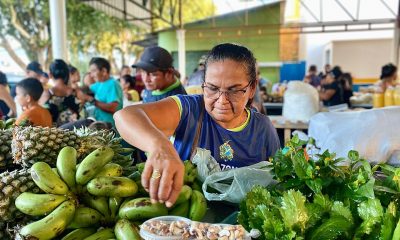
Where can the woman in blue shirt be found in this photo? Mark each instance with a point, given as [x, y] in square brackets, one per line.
[220, 120]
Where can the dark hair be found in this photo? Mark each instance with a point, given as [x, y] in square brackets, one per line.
[129, 79]
[32, 87]
[72, 69]
[238, 54]
[3, 79]
[100, 63]
[388, 70]
[59, 69]
[312, 68]
[337, 72]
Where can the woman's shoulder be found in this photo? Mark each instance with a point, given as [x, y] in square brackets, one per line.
[260, 120]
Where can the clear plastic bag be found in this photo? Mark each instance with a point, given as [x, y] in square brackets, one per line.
[206, 164]
[233, 185]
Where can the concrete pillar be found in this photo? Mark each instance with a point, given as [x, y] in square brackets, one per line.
[396, 39]
[58, 22]
[180, 35]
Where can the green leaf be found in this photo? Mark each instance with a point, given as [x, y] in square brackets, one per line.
[323, 201]
[332, 228]
[353, 155]
[315, 185]
[294, 211]
[388, 223]
[301, 167]
[338, 209]
[371, 212]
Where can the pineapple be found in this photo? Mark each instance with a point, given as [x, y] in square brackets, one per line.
[33, 144]
[5, 149]
[12, 184]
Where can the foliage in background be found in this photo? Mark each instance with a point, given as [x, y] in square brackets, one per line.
[89, 31]
[191, 11]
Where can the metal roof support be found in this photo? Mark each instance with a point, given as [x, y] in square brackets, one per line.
[309, 11]
[396, 39]
[387, 6]
[180, 35]
[345, 10]
[58, 22]
[151, 12]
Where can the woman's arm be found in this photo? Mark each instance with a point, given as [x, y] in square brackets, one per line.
[147, 127]
[44, 98]
[327, 94]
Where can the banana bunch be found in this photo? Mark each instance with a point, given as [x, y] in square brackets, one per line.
[78, 199]
[190, 203]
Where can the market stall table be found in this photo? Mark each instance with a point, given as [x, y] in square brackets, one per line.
[279, 122]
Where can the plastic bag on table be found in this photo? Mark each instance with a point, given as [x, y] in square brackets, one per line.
[375, 134]
[301, 102]
[233, 185]
[206, 164]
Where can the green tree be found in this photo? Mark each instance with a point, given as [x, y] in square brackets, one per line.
[88, 30]
[191, 11]
[28, 23]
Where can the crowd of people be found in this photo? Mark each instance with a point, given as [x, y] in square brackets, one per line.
[336, 87]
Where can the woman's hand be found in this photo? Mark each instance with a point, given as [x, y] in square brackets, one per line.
[163, 174]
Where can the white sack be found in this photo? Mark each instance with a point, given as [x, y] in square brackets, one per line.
[375, 134]
[301, 102]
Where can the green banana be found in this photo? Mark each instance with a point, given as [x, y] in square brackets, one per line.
[38, 204]
[51, 225]
[10, 123]
[110, 170]
[196, 185]
[98, 203]
[141, 208]
[140, 167]
[47, 180]
[92, 164]
[85, 217]
[103, 234]
[66, 165]
[113, 204]
[180, 209]
[55, 171]
[125, 230]
[112, 187]
[190, 172]
[198, 206]
[184, 195]
[79, 234]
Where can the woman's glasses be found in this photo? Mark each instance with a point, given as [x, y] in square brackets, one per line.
[232, 95]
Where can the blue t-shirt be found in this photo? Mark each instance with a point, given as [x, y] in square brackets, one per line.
[157, 95]
[254, 142]
[107, 92]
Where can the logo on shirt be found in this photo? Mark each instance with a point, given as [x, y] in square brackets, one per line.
[226, 152]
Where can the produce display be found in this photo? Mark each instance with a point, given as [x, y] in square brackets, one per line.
[321, 197]
[81, 192]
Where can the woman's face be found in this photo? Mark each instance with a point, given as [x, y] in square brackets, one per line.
[227, 75]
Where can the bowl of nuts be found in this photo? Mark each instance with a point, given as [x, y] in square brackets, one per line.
[172, 227]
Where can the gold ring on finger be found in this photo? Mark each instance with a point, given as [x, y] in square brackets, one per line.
[156, 174]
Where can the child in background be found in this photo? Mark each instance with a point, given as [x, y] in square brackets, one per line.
[29, 91]
[128, 87]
